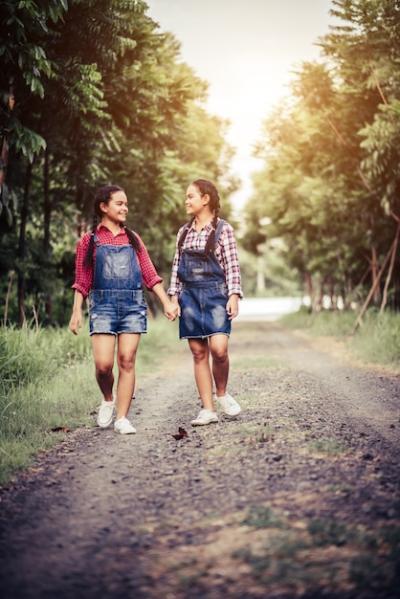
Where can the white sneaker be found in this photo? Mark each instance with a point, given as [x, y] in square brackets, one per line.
[106, 413]
[228, 405]
[205, 417]
[123, 426]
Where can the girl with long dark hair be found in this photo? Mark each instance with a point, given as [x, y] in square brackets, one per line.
[112, 264]
[206, 287]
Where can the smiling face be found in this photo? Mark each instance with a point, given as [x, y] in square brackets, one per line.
[195, 202]
[116, 209]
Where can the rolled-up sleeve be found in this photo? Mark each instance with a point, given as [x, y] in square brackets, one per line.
[230, 260]
[149, 274]
[83, 274]
[175, 286]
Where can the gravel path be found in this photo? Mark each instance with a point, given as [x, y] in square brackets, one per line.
[299, 497]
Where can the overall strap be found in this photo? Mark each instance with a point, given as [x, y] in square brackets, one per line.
[213, 237]
[218, 231]
[182, 238]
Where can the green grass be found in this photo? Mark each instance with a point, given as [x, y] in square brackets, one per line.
[27, 354]
[377, 340]
[47, 381]
[329, 532]
[327, 446]
[261, 516]
[328, 323]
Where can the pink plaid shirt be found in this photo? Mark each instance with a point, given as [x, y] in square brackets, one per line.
[84, 275]
[225, 252]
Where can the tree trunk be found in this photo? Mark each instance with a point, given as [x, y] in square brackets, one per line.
[319, 299]
[47, 207]
[8, 294]
[347, 293]
[46, 204]
[332, 295]
[309, 288]
[22, 244]
[390, 272]
[260, 286]
[374, 273]
[79, 202]
[372, 290]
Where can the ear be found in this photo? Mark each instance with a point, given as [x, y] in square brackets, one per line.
[206, 199]
[103, 207]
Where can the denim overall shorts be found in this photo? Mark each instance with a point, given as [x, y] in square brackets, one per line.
[204, 294]
[116, 301]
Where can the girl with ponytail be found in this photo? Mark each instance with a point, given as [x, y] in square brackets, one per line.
[112, 264]
[205, 288]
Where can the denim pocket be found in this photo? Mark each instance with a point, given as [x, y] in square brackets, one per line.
[139, 298]
[96, 298]
[218, 293]
[117, 265]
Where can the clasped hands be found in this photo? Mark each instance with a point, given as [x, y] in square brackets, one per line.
[172, 309]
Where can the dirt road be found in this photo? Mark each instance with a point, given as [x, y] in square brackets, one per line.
[299, 497]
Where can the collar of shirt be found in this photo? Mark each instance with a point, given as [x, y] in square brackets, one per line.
[104, 228]
[206, 227]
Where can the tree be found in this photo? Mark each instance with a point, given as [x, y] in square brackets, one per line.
[330, 155]
[115, 103]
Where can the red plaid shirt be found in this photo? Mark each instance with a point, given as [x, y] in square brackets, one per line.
[225, 252]
[84, 274]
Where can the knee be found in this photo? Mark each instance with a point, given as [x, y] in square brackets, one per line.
[199, 355]
[220, 356]
[103, 369]
[126, 362]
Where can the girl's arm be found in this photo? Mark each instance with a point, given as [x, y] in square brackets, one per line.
[232, 306]
[175, 284]
[76, 318]
[232, 270]
[154, 282]
[82, 285]
[230, 261]
[171, 309]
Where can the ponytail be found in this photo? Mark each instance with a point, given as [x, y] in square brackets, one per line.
[208, 188]
[89, 253]
[133, 239]
[211, 238]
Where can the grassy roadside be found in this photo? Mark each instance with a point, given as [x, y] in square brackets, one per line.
[377, 341]
[47, 382]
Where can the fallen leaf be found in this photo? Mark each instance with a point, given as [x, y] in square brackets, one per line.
[181, 434]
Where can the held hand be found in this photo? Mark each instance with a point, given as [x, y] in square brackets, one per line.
[171, 310]
[176, 307]
[175, 302]
[76, 322]
[232, 307]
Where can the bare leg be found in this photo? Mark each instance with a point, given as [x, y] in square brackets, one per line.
[127, 348]
[202, 372]
[220, 362]
[103, 353]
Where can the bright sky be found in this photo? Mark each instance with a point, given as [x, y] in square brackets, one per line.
[247, 52]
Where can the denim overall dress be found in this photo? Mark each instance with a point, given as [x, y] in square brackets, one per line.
[204, 294]
[116, 301]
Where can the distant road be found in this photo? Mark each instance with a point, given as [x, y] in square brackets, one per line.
[267, 308]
